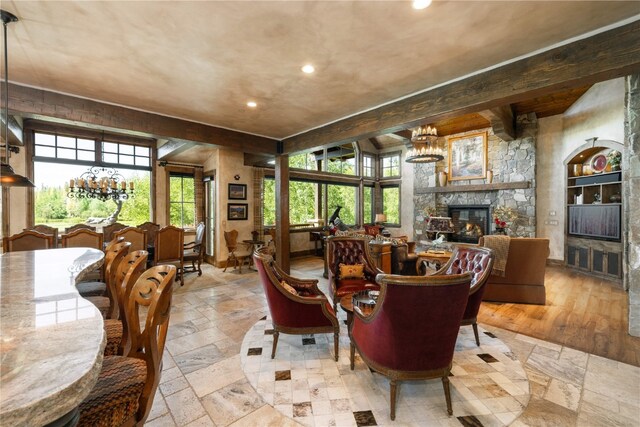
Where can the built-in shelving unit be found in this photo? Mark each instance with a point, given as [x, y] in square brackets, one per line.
[594, 218]
[476, 187]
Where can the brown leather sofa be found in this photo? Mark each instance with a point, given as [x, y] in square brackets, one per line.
[403, 259]
[524, 275]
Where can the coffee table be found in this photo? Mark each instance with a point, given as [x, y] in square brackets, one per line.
[366, 305]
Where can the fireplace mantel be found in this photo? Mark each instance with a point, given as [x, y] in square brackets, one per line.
[475, 187]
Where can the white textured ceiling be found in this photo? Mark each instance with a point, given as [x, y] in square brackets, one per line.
[203, 61]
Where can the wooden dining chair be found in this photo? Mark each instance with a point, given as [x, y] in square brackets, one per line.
[136, 236]
[152, 230]
[126, 386]
[82, 238]
[79, 227]
[194, 251]
[27, 241]
[110, 229]
[107, 304]
[129, 270]
[45, 229]
[168, 250]
[98, 287]
[236, 256]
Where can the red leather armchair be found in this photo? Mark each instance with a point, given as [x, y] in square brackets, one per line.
[479, 262]
[389, 339]
[308, 312]
[349, 251]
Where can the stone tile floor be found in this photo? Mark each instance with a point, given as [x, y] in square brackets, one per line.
[203, 383]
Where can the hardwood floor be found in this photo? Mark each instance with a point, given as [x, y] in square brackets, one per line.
[582, 312]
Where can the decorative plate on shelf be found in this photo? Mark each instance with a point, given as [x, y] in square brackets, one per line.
[598, 163]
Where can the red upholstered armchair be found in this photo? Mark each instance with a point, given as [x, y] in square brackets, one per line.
[411, 333]
[349, 251]
[479, 262]
[306, 312]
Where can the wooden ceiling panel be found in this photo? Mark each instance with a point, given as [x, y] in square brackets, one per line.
[550, 105]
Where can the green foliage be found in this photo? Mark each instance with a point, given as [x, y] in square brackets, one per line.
[50, 203]
[391, 204]
[136, 210]
[368, 205]
[341, 195]
[182, 196]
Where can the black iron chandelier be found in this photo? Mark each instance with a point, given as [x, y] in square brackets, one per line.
[425, 149]
[102, 184]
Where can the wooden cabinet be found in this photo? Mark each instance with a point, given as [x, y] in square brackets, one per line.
[381, 254]
[594, 219]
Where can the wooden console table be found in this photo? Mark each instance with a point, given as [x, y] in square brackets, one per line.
[381, 254]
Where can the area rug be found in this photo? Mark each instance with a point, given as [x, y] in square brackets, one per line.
[489, 387]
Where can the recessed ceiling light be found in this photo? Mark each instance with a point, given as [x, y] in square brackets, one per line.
[308, 69]
[252, 104]
[421, 4]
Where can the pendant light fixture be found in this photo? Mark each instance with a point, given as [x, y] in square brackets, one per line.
[8, 178]
[425, 148]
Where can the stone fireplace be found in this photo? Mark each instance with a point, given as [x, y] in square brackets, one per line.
[470, 222]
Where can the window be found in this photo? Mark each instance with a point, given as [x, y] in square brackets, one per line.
[302, 202]
[345, 196]
[342, 160]
[182, 200]
[368, 205]
[306, 161]
[368, 168]
[52, 206]
[125, 154]
[64, 147]
[390, 165]
[391, 204]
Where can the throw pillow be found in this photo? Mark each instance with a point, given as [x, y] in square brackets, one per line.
[289, 288]
[355, 271]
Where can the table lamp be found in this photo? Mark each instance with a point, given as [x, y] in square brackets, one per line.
[380, 219]
[439, 225]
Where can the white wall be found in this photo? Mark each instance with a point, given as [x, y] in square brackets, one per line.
[598, 113]
[18, 195]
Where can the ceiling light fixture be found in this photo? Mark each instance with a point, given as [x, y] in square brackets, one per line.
[425, 149]
[421, 4]
[8, 178]
[308, 69]
[252, 104]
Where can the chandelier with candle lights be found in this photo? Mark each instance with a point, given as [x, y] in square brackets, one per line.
[425, 149]
[102, 184]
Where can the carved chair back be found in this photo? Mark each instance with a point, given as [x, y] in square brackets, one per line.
[169, 243]
[152, 230]
[152, 290]
[113, 258]
[45, 229]
[79, 227]
[231, 240]
[350, 251]
[129, 270]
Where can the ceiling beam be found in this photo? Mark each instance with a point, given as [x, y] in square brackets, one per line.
[611, 54]
[502, 121]
[16, 136]
[402, 135]
[173, 147]
[70, 110]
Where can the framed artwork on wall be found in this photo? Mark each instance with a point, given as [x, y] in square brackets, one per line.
[237, 191]
[237, 211]
[468, 156]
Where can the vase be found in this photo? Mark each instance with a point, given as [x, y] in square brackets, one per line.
[577, 169]
[501, 230]
[442, 178]
[489, 176]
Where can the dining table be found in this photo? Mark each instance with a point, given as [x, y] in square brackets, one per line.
[51, 339]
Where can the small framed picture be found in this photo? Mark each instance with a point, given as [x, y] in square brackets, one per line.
[468, 156]
[237, 191]
[237, 211]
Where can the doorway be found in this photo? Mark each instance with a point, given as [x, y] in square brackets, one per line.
[210, 217]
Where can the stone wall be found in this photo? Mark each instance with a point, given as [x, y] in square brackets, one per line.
[510, 162]
[631, 201]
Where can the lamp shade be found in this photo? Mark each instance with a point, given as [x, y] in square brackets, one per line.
[380, 218]
[8, 178]
[439, 224]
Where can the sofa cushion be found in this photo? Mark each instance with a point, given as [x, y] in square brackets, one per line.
[353, 271]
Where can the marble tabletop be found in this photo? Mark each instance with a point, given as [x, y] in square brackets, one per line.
[51, 339]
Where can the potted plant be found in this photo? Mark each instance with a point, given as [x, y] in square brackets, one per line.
[502, 216]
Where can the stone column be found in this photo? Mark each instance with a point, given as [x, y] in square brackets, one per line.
[631, 201]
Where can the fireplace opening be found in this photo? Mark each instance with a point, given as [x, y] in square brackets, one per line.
[470, 222]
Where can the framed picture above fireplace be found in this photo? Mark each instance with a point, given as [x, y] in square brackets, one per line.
[468, 156]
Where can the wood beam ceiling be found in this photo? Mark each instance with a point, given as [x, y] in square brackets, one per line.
[611, 54]
[65, 109]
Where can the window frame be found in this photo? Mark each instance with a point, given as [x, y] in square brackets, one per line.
[382, 207]
[182, 175]
[381, 167]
